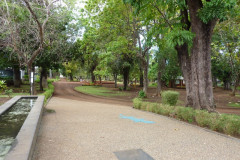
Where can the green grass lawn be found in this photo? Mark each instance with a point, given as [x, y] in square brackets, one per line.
[100, 91]
[234, 105]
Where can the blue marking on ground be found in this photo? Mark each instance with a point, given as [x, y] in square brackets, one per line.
[135, 119]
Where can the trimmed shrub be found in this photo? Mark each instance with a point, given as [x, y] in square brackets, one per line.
[141, 94]
[137, 103]
[231, 125]
[48, 93]
[228, 124]
[170, 97]
[185, 113]
[202, 118]
[165, 109]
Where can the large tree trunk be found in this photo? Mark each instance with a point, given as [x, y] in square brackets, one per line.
[202, 89]
[185, 64]
[16, 76]
[115, 80]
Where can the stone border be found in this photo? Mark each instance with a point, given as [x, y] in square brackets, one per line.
[4, 107]
[24, 143]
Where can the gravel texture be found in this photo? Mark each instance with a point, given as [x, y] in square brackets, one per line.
[81, 130]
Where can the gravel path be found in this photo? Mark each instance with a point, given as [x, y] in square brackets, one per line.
[81, 130]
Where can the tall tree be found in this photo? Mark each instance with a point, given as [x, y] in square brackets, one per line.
[197, 17]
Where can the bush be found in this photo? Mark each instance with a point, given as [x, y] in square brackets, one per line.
[137, 103]
[120, 88]
[141, 94]
[25, 77]
[8, 92]
[170, 97]
[185, 113]
[48, 93]
[228, 124]
[2, 86]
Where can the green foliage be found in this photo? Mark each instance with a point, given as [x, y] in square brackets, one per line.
[25, 77]
[141, 94]
[8, 92]
[3, 86]
[228, 124]
[215, 9]
[179, 37]
[170, 97]
[48, 93]
[185, 113]
[37, 79]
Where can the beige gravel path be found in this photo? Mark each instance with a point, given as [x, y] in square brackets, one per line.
[82, 130]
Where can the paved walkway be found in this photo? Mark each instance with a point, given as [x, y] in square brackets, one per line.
[82, 130]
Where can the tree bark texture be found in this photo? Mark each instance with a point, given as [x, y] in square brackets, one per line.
[201, 77]
[16, 76]
[185, 64]
[141, 76]
[93, 78]
[115, 80]
[235, 86]
[145, 78]
[43, 79]
[125, 78]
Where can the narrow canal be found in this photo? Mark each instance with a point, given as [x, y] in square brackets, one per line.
[11, 122]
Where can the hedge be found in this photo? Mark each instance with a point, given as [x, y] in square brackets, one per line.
[48, 93]
[224, 123]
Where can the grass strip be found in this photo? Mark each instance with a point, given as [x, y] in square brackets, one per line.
[100, 91]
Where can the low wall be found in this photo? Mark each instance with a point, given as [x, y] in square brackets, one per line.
[24, 143]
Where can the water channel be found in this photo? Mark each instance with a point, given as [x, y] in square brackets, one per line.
[11, 122]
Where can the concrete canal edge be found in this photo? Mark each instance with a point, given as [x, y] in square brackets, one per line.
[24, 143]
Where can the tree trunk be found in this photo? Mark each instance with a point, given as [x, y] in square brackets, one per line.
[185, 64]
[115, 80]
[71, 77]
[235, 85]
[100, 79]
[145, 78]
[125, 78]
[159, 84]
[93, 77]
[16, 76]
[141, 76]
[43, 79]
[202, 91]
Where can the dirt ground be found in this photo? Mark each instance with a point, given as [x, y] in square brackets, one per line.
[64, 89]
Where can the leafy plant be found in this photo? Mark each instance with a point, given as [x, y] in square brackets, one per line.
[141, 94]
[8, 92]
[170, 97]
[2, 86]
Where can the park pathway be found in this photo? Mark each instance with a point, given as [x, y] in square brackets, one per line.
[85, 130]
